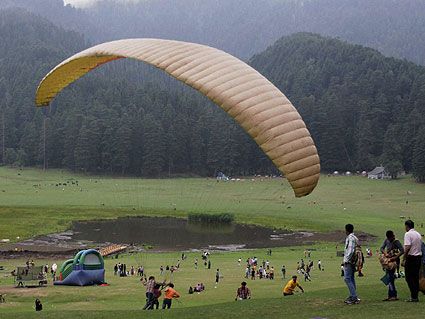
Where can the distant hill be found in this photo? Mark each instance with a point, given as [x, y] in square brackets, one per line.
[245, 27]
[125, 118]
[362, 108]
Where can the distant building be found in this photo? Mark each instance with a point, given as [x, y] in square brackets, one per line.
[378, 172]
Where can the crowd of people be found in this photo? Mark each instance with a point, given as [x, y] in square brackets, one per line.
[393, 256]
[256, 270]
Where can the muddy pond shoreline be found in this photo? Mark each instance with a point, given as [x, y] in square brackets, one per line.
[159, 234]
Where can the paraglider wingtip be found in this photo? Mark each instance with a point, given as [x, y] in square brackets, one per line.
[42, 104]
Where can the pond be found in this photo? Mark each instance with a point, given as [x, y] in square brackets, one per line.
[168, 233]
[165, 234]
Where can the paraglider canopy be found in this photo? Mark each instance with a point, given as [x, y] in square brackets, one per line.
[248, 97]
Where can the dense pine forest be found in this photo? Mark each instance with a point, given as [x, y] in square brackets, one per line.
[362, 108]
[121, 119]
[246, 27]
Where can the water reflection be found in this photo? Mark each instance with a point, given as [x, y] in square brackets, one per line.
[177, 233]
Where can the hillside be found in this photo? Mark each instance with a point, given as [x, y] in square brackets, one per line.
[246, 27]
[124, 119]
[362, 108]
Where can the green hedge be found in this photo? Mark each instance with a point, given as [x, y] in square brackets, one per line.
[225, 218]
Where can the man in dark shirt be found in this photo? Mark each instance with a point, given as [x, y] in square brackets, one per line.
[392, 249]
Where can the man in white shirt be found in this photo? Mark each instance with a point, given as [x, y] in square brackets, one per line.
[351, 242]
[412, 259]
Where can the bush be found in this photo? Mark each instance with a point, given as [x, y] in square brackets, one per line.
[224, 218]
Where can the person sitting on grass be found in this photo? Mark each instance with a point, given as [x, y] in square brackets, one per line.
[170, 293]
[38, 305]
[243, 292]
[291, 285]
[199, 287]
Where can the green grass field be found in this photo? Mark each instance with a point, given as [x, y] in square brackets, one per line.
[31, 203]
[125, 296]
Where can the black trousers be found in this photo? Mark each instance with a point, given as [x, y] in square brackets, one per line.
[166, 303]
[412, 268]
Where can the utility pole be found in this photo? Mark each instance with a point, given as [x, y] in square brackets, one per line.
[3, 137]
[45, 118]
[44, 143]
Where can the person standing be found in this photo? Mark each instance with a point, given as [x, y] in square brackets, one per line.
[150, 293]
[283, 271]
[391, 249]
[412, 259]
[157, 294]
[170, 293]
[217, 277]
[253, 273]
[319, 265]
[271, 273]
[351, 241]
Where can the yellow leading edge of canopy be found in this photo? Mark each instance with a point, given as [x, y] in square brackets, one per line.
[260, 108]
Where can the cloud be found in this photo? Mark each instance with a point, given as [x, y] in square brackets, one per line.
[88, 3]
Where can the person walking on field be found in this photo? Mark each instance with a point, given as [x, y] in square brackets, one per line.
[412, 259]
[217, 277]
[391, 250]
[351, 241]
[283, 271]
[170, 293]
[288, 290]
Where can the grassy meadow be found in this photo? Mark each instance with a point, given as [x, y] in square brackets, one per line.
[125, 296]
[31, 203]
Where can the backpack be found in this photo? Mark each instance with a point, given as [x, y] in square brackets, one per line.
[357, 259]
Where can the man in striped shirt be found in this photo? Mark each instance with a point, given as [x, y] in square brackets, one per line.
[150, 292]
[351, 242]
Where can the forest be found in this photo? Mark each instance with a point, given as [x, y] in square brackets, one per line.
[245, 27]
[362, 108]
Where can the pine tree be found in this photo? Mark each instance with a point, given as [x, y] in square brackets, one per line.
[418, 161]
[392, 157]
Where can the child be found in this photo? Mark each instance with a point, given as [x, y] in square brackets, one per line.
[170, 293]
[38, 305]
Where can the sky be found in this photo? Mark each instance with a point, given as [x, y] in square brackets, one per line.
[86, 3]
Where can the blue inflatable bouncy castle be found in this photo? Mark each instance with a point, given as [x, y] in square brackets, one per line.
[87, 268]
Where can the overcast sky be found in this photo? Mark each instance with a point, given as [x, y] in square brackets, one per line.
[85, 3]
